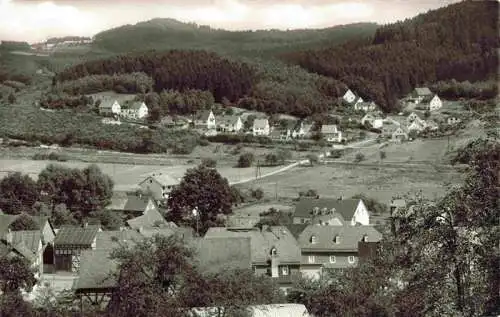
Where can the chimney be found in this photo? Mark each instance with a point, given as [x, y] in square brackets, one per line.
[9, 236]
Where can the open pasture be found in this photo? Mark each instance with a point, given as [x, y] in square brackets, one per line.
[335, 181]
[127, 176]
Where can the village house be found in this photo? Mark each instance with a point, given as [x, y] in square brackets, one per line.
[350, 211]
[375, 121]
[332, 247]
[9, 248]
[389, 127]
[69, 243]
[158, 185]
[419, 93]
[275, 251]
[302, 130]
[413, 117]
[137, 110]
[400, 134]
[109, 107]
[261, 127]
[139, 210]
[365, 106]
[417, 126]
[453, 120]
[231, 124]
[431, 125]
[431, 103]
[205, 120]
[331, 133]
[349, 96]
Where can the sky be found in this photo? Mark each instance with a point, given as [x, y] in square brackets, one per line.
[36, 20]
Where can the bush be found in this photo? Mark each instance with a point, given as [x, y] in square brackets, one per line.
[208, 162]
[52, 156]
[257, 193]
[359, 157]
[308, 193]
[246, 160]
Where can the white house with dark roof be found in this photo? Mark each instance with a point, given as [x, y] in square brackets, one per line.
[332, 247]
[205, 119]
[350, 211]
[159, 185]
[136, 110]
[261, 127]
[365, 106]
[302, 130]
[232, 124]
[419, 93]
[331, 133]
[109, 107]
[431, 103]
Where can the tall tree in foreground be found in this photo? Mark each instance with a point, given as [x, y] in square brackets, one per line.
[15, 276]
[202, 189]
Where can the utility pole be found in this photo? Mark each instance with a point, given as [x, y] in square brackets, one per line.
[276, 190]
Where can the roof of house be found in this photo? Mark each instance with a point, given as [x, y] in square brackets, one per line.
[185, 233]
[401, 129]
[296, 229]
[241, 221]
[137, 203]
[5, 222]
[136, 105]
[20, 249]
[344, 207]
[203, 115]
[30, 238]
[349, 236]
[262, 241]
[332, 220]
[109, 240]
[260, 123]
[214, 255]
[96, 271]
[152, 218]
[71, 235]
[428, 98]
[398, 203]
[329, 128]
[162, 179]
[107, 103]
[228, 120]
[422, 91]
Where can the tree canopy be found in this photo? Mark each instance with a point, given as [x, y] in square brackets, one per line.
[204, 189]
[19, 193]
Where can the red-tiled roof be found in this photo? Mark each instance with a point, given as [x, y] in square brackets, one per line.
[76, 236]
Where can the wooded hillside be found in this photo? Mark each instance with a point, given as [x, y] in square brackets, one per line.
[456, 42]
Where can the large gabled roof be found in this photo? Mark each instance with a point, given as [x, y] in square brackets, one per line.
[109, 240]
[162, 179]
[30, 238]
[422, 91]
[71, 235]
[136, 105]
[324, 237]
[262, 241]
[329, 129]
[151, 218]
[107, 103]
[97, 271]
[215, 255]
[260, 123]
[203, 115]
[5, 222]
[345, 207]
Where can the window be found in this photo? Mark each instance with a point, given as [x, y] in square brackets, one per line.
[274, 251]
[284, 270]
[365, 238]
[351, 259]
[333, 259]
[336, 239]
[151, 181]
[313, 239]
[312, 259]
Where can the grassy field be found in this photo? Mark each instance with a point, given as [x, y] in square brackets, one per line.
[127, 176]
[335, 181]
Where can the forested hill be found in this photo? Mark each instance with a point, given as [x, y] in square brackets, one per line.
[459, 42]
[164, 34]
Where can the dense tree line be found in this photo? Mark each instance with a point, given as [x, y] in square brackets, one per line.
[174, 102]
[67, 128]
[453, 90]
[63, 101]
[456, 42]
[178, 70]
[120, 83]
[66, 195]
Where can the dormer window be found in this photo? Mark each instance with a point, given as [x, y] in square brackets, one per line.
[313, 239]
[274, 252]
[365, 238]
[336, 239]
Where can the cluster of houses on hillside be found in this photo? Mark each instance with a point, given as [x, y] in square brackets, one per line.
[63, 41]
[136, 110]
[325, 234]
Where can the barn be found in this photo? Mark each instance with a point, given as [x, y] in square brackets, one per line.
[69, 243]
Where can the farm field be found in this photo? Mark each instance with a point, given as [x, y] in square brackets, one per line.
[341, 180]
[126, 176]
[255, 210]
